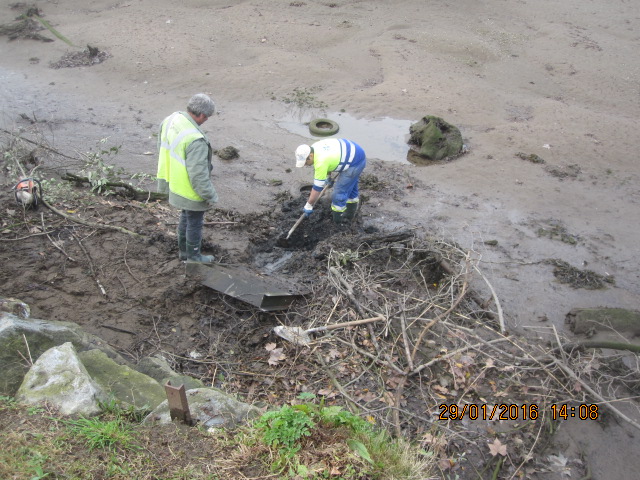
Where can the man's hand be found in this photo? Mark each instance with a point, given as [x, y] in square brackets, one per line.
[307, 209]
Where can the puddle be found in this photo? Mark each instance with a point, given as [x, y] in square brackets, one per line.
[271, 264]
[382, 138]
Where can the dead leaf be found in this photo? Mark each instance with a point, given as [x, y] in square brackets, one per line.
[497, 448]
[367, 396]
[440, 389]
[327, 392]
[558, 463]
[333, 354]
[276, 356]
[270, 346]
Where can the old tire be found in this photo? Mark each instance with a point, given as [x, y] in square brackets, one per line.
[323, 127]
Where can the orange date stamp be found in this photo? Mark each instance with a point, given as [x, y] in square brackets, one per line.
[506, 411]
[503, 411]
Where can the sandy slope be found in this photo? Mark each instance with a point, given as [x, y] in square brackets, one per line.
[556, 79]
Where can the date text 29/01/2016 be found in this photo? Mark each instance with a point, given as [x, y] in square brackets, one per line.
[504, 411]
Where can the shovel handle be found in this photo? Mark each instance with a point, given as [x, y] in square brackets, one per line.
[347, 324]
[295, 225]
[299, 221]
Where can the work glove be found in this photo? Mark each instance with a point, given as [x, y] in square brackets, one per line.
[307, 209]
[330, 182]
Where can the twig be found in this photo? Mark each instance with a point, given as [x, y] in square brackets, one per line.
[455, 352]
[562, 352]
[335, 382]
[51, 240]
[503, 328]
[405, 340]
[52, 150]
[118, 329]
[93, 273]
[28, 349]
[209, 223]
[127, 265]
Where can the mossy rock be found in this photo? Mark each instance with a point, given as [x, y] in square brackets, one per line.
[434, 139]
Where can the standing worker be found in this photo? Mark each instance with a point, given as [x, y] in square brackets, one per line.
[334, 155]
[184, 172]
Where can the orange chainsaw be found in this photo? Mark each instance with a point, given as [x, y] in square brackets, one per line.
[28, 192]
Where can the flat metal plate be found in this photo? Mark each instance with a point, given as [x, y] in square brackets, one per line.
[266, 293]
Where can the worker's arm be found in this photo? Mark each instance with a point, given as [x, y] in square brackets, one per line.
[199, 171]
[313, 197]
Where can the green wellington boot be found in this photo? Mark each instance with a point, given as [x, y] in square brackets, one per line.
[194, 255]
[339, 217]
[352, 209]
[182, 246]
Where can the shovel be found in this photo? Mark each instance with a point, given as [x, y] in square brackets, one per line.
[300, 336]
[299, 221]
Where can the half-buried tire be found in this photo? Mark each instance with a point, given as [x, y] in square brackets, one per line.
[323, 127]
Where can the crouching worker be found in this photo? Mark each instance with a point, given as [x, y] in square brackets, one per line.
[334, 155]
[184, 172]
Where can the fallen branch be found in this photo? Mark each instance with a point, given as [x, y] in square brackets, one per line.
[89, 224]
[134, 192]
[631, 347]
[594, 394]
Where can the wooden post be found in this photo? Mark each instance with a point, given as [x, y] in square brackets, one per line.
[178, 405]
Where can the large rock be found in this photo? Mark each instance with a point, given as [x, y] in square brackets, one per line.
[127, 386]
[60, 379]
[435, 139]
[604, 319]
[210, 408]
[23, 340]
[159, 369]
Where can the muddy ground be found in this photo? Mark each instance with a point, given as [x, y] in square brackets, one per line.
[541, 93]
[110, 263]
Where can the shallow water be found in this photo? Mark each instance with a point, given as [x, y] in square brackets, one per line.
[382, 138]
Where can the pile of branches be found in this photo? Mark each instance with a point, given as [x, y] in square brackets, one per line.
[442, 368]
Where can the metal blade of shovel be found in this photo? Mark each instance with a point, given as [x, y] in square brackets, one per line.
[300, 336]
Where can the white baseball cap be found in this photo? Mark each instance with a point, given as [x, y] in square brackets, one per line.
[302, 152]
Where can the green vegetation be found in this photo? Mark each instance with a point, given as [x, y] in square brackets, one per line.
[305, 98]
[353, 449]
[305, 441]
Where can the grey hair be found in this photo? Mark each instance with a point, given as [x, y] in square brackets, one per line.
[201, 104]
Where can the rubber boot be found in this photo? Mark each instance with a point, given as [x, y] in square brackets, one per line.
[182, 245]
[339, 217]
[194, 255]
[352, 209]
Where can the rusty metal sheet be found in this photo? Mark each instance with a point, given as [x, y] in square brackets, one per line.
[178, 404]
[266, 293]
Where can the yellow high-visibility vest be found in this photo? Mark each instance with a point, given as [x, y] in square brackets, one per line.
[176, 135]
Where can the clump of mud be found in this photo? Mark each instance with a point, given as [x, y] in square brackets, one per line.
[87, 57]
[577, 278]
[26, 26]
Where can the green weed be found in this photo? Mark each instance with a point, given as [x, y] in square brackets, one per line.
[304, 98]
[104, 435]
[98, 171]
